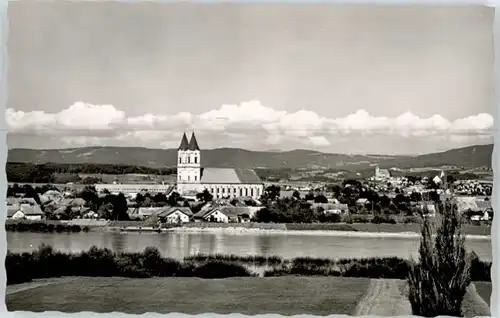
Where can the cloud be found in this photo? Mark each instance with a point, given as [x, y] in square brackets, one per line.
[79, 116]
[249, 123]
[319, 141]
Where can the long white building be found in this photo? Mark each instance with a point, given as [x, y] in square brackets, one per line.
[135, 188]
[192, 178]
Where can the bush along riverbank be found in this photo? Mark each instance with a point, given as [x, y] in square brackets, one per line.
[373, 267]
[376, 267]
[44, 227]
[46, 263]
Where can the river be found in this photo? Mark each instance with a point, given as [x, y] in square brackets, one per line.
[178, 245]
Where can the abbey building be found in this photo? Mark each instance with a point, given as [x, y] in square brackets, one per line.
[192, 178]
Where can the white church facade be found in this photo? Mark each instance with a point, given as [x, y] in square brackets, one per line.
[192, 178]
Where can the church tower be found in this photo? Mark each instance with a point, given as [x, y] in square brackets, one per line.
[188, 165]
[377, 171]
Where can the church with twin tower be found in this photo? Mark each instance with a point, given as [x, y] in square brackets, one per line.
[193, 178]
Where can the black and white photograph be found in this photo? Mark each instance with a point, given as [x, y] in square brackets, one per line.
[260, 158]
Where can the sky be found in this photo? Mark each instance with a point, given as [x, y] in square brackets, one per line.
[334, 78]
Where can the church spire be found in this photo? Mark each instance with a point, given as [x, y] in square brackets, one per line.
[193, 144]
[184, 143]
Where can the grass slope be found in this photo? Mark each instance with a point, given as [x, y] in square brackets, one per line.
[474, 304]
[284, 295]
[290, 295]
[484, 290]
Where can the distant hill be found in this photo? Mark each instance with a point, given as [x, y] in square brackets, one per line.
[469, 157]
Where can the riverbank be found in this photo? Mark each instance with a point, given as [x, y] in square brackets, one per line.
[285, 295]
[307, 228]
[45, 227]
[340, 233]
[345, 229]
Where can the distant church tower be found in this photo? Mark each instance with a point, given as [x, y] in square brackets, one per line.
[188, 165]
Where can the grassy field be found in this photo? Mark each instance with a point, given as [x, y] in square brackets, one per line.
[286, 295]
[289, 295]
[484, 290]
[474, 304]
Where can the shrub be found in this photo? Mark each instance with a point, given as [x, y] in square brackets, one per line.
[154, 265]
[45, 263]
[97, 262]
[134, 271]
[44, 260]
[277, 271]
[379, 219]
[412, 219]
[171, 267]
[249, 259]
[437, 284]
[330, 217]
[219, 269]
[41, 227]
[309, 270]
[312, 261]
[17, 267]
[358, 219]
[152, 261]
[389, 268]
[129, 265]
[479, 270]
[318, 227]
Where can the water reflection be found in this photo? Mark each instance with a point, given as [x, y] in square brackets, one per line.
[265, 243]
[67, 242]
[211, 244]
[179, 245]
[118, 242]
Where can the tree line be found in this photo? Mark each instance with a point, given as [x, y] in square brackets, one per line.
[51, 172]
[46, 173]
[297, 209]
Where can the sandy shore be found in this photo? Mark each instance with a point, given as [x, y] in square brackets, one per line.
[246, 231]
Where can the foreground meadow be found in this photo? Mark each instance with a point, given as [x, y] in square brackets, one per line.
[288, 295]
